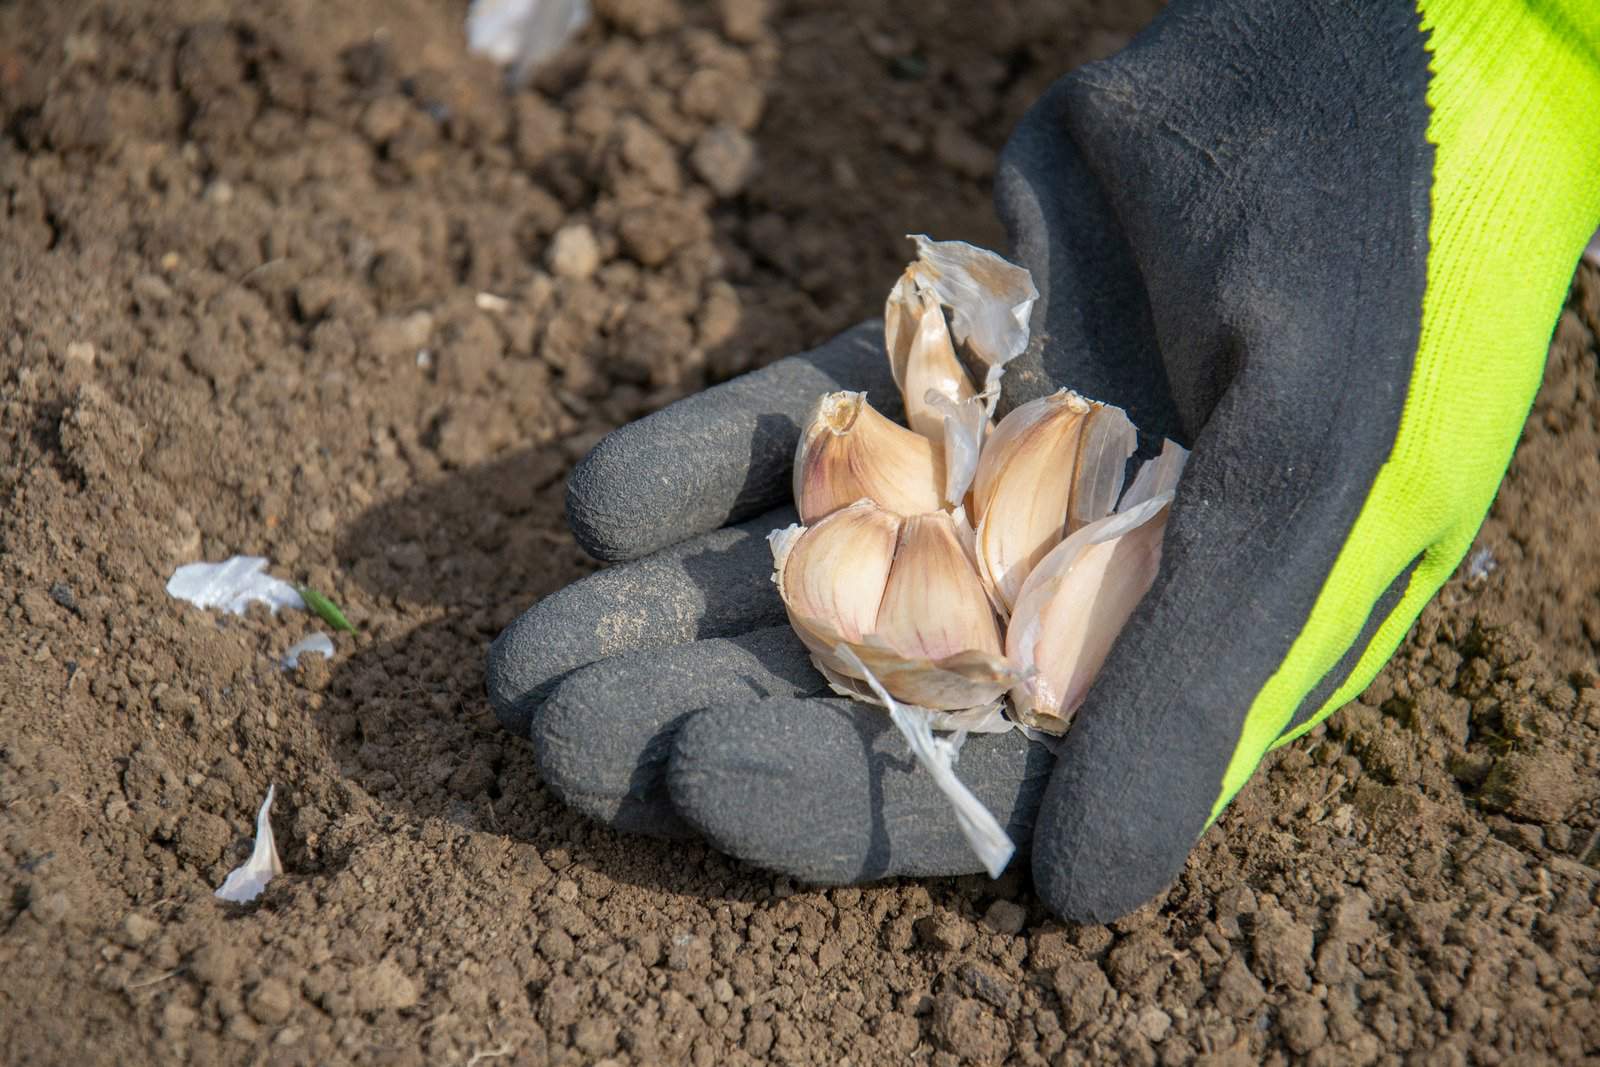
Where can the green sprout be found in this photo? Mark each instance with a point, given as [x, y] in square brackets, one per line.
[326, 608]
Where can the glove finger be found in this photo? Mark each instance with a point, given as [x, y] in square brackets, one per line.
[719, 456]
[1092, 329]
[825, 790]
[713, 586]
[602, 739]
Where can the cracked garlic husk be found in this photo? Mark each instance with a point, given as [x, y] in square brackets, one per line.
[890, 584]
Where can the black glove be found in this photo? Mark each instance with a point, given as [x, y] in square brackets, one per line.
[1271, 175]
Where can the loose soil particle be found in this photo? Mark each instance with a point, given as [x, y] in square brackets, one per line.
[301, 280]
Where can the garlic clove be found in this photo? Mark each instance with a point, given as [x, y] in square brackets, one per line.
[850, 452]
[1074, 605]
[831, 576]
[1019, 431]
[922, 356]
[1051, 466]
[937, 643]
[934, 604]
[902, 313]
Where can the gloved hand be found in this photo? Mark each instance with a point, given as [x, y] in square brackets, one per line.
[1323, 244]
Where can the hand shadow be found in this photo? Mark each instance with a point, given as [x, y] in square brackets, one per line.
[404, 712]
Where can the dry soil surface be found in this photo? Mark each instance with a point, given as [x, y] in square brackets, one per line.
[299, 280]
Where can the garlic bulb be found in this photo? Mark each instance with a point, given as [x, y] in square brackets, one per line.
[901, 598]
[848, 451]
[1050, 467]
[900, 593]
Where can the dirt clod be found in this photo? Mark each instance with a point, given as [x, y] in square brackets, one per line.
[384, 987]
[942, 932]
[1005, 917]
[1538, 786]
[1281, 949]
[724, 157]
[969, 1029]
[270, 1002]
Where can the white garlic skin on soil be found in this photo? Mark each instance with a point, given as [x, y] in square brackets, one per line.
[903, 595]
[849, 452]
[1052, 466]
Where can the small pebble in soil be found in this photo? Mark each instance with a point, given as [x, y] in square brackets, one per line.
[61, 593]
[724, 158]
[574, 252]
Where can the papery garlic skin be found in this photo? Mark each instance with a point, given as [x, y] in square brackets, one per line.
[966, 427]
[990, 301]
[848, 451]
[1051, 466]
[938, 756]
[1073, 606]
[1156, 477]
[246, 882]
[903, 596]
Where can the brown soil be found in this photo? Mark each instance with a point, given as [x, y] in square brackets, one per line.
[242, 254]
